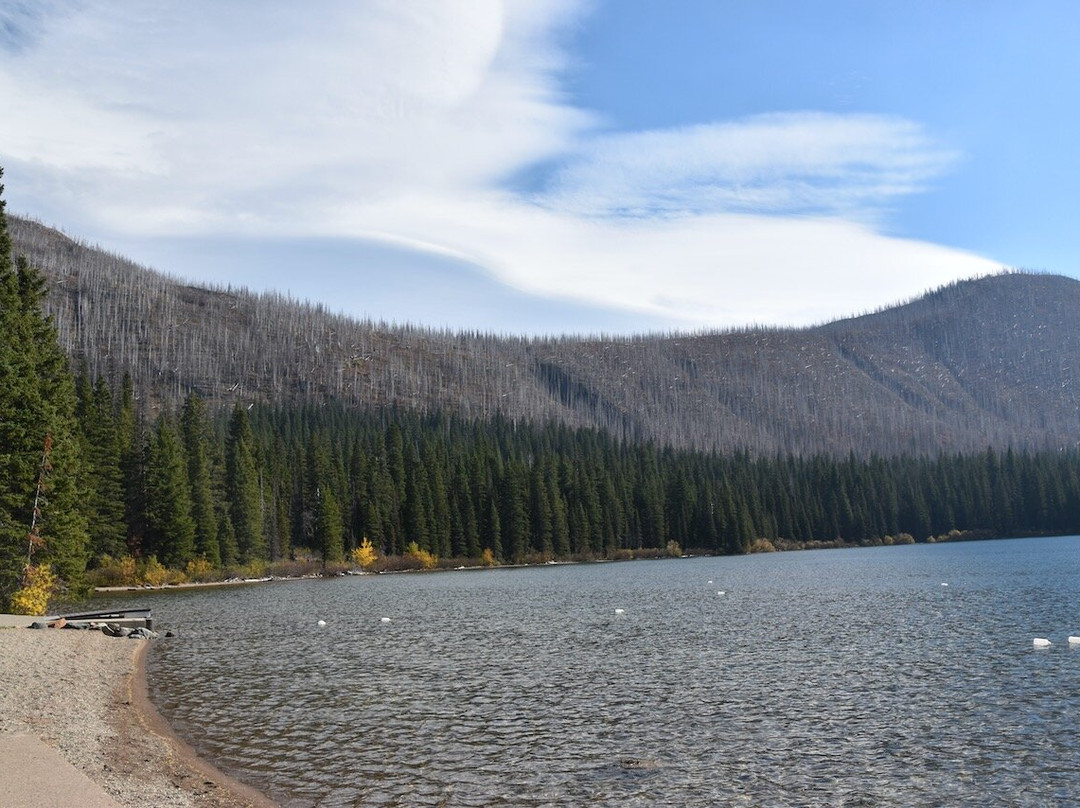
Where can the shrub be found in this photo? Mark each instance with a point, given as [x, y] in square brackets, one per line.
[673, 549]
[365, 555]
[488, 559]
[333, 569]
[37, 586]
[199, 569]
[256, 568]
[306, 568]
[426, 560]
[114, 572]
[153, 573]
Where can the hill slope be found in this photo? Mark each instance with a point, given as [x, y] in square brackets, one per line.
[989, 362]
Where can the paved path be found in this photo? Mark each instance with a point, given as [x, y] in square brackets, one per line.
[17, 620]
[33, 775]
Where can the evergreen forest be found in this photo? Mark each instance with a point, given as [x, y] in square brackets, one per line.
[92, 479]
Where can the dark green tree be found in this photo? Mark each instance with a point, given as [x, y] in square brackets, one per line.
[243, 490]
[170, 528]
[37, 409]
[104, 475]
[195, 427]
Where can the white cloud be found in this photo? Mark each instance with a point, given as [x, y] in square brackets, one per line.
[778, 163]
[237, 112]
[710, 270]
[402, 122]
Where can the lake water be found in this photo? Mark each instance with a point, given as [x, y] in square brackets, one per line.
[835, 677]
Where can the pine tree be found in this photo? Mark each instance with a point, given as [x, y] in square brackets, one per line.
[514, 512]
[170, 528]
[196, 433]
[37, 408]
[243, 488]
[226, 536]
[130, 442]
[328, 528]
[105, 479]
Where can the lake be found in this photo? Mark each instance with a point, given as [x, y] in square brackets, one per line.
[892, 676]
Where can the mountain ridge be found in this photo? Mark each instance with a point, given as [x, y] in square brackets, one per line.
[993, 361]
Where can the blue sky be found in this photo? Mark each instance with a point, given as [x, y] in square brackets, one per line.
[549, 166]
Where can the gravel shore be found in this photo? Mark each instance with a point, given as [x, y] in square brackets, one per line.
[85, 694]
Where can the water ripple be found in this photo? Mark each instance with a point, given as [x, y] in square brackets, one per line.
[846, 678]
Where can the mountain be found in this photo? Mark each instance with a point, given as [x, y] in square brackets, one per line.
[987, 362]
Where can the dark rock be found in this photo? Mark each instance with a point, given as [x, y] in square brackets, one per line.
[638, 764]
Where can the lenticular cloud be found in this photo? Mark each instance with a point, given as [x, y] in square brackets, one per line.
[793, 163]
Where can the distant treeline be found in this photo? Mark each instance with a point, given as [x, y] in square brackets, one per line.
[272, 482]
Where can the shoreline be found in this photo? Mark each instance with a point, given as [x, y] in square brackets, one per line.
[85, 695]
[138, 692]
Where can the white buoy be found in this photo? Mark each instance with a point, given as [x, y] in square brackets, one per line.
[384, 619]
[1041, 642]
[620, 611]
[322, 624]
[944, 584]
[721, 592]
[710, 582]
[1074, 640]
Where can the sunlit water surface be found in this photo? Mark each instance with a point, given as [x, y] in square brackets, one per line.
[892, 676]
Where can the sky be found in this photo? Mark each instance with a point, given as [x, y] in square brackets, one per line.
[553, 166]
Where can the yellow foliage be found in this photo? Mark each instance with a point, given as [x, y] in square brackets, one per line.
[365, 555]
[153, 573]
[256, 568]
[488, 558]
[199, 569]
[33, 597]
[115, 571]
[427, 560]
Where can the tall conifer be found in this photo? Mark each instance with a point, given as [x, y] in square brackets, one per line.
[37, 409]
[105, 494]
[243, 489]
[170, 528]
[196, 433]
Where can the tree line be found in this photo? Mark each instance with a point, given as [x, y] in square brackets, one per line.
[273, 482]
[270, 483]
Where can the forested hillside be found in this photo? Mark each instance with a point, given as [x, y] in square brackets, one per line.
[199, 433]
[989, 362]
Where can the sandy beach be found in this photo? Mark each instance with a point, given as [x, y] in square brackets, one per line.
[84, 694]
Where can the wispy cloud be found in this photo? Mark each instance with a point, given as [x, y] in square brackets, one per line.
[790, 163]
[692, 271]
[382, 120]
